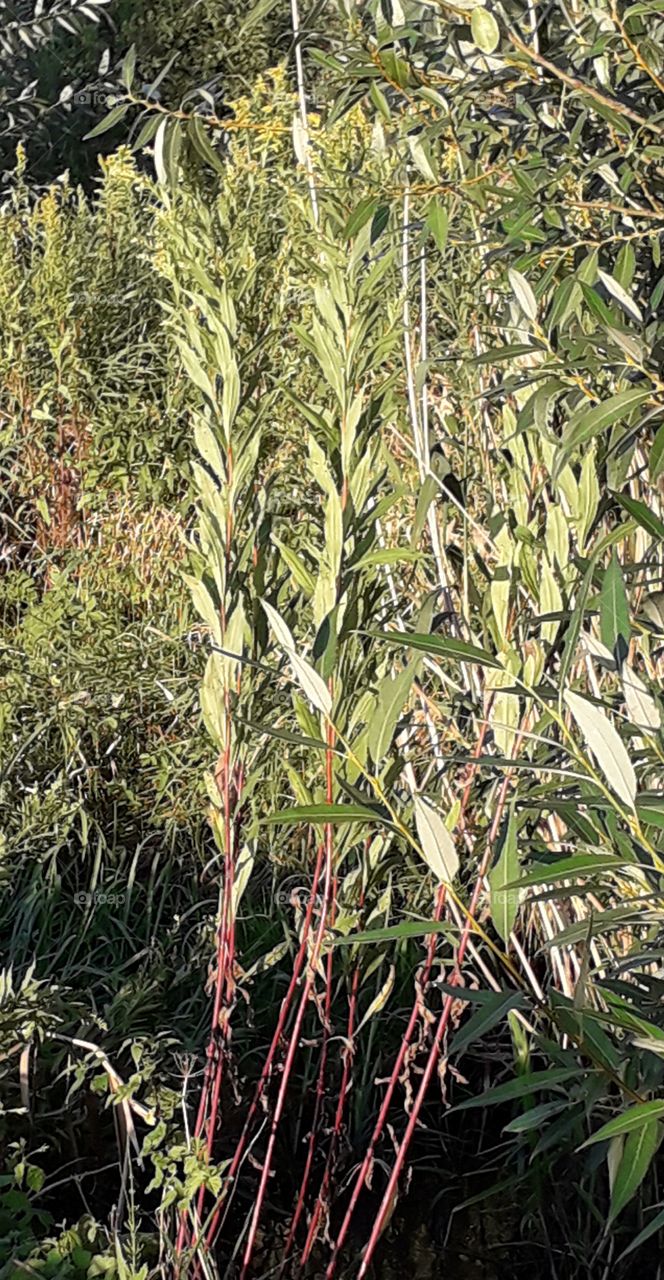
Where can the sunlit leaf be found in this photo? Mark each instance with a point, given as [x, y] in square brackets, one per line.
[309, 680]
[334, 813]
[380, 1000]
[436, 842]
[485, 30]
[521, 289]
[604, 743]
[504, 897]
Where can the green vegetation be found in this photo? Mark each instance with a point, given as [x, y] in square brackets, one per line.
[332, 446]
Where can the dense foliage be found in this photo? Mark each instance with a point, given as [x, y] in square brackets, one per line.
[60, 61]
[359, 965]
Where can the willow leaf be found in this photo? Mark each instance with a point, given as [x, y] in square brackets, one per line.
[642, 1113]
[605, 745]
[437, 843]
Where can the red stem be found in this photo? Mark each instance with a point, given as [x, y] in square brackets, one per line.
[268, 1065]
[328, 905]
[336, 1132]
[405, 1043]
[313, 1133]
[390, 1191]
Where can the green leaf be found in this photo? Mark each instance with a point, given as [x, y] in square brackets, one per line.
[387, 555]
[300, 573]
[128, 68]
[504, 897]
[256, 14]
[620, 295]
[485, 30]
[439, 647]
[636, 1159]
[379, 222]
[642, 514]
[582, 864]
[438, 222]
[596, 925]
[116, 114]
[334, 813]
[360, 216]
[521, 1087]
[242, 874]
[642, 710]
[532, 1119]
[628, 1122]
[653, 607]
[656, 459]
[653, 1226]
[200, 141]
[590, 422]
[606, 746]
[651, 809]
[394, 933]
[380, 101]
[392, 694]
[437, 844]
[575, 624]
[286, 735]
[380, 1000]
[565, 300]
[421, 157]
[614, 607]
[495, 1008]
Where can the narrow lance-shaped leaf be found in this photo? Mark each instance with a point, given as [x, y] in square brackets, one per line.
[582, 864]
[437, 223]
[636, 1159]
[437, 844]
[633, 1118]
[605, 745]
[505, 899]
[392, 694]
[495, 1008]
[642, 709]
[334, 813]
[114, 116]
[439, 647]
[243, 870]
[521, 1087]
[523, 292]
[642, 514]
[309, 680]
[590, 422]
[616, 290]
[655, 1224]
[534, 1118]
[613, 607]
[380, 1000]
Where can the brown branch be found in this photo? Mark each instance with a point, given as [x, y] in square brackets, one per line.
[634, 48]
[579, 86]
